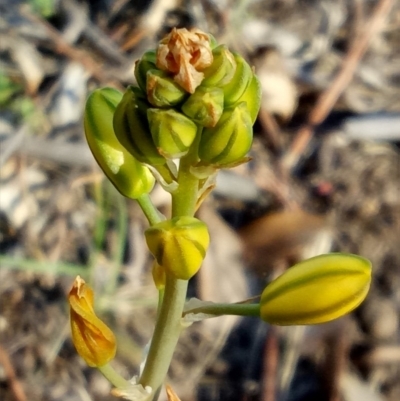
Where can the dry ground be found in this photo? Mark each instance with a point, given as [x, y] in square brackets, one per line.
[325, 176]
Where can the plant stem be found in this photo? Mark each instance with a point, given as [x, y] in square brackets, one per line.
[150, 211]
[168, 325]
[227, 309]
[113, 377]
[166, 334]
[184, 199]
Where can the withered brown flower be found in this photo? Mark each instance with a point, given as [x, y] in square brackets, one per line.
[185, 54]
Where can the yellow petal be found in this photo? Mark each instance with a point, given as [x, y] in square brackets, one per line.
[93, 339]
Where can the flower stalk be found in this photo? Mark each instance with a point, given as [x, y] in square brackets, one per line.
[190, 115]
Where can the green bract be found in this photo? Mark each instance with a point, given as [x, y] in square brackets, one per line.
[172, 132]
[230, 139]
[132, 128]
[205, 106]
[129, 176]
[179, 245]
[316, 290]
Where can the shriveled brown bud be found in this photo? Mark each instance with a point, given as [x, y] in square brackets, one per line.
[185, 54]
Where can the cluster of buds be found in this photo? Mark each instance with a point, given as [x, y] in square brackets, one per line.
[189, 88]
[192, 95]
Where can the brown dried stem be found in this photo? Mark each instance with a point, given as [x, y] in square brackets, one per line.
[329, 97]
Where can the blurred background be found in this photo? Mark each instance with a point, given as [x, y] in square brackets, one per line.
[324, 176]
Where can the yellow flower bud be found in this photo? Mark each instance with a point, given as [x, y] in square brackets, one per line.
[132, 128]
[93, 340]
[142, 66]
[205, 106]
[252, 97]
[179, 245]
[172, 132]
[234, 89]
[222, 69]
[162, 90]
[230, 139]
[316, 290]
[131, 178]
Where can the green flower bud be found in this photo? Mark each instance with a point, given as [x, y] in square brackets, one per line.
[130, 177]
[142, 66]
[222, 69]
[172, 132]
[234, 89]
[179, 245]
[205, 106]
[230, 139]
[162, 91]
[132, 128]
[317, 290]
[252, 97]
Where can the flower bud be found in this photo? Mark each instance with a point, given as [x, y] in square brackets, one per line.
[316, 290]
[172, 132]
[130, 177]
[222, 69]
[132, 128]
[205, 106]
[252, 97]
[179, 245]
[162, 91]
[93, 340]
[234, 89]
[142, 66]
[230, 139]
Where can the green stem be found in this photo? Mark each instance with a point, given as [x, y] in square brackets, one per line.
[113, 377]
[150, 211]
[168, 325]
[227, 309]
[184, 199]
[166, 334]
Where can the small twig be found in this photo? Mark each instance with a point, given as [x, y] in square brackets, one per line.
[14, 383]
[338, 348]
[270, 365]
[271, 129]
[329, 97]
[61, 46]
[12, 144]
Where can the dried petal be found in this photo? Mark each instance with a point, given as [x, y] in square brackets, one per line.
[185, 54]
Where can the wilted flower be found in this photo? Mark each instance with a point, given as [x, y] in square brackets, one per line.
[185, 54]
[93, 340]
